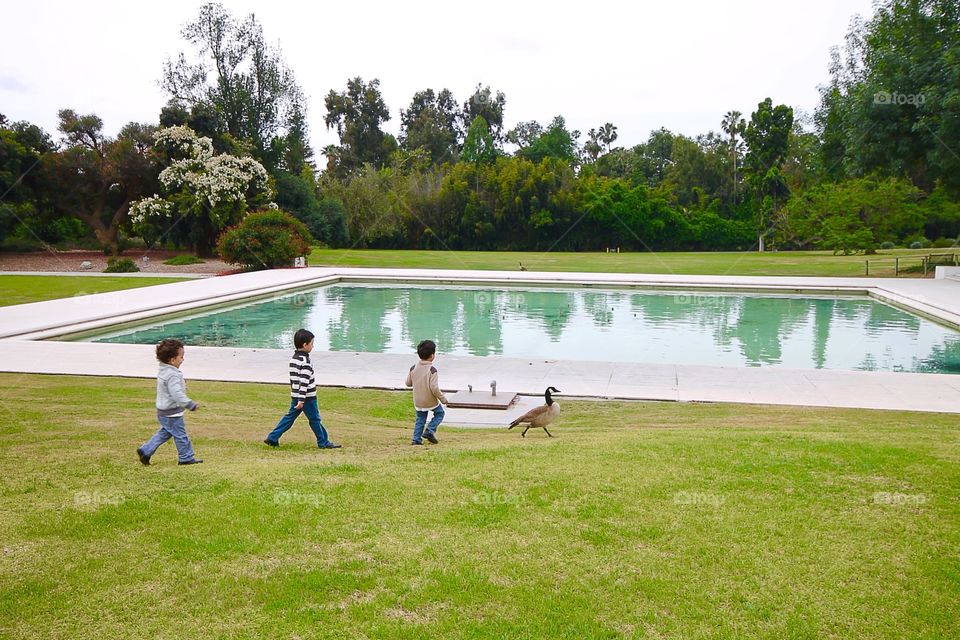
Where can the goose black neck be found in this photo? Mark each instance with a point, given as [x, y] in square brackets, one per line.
[547, 397]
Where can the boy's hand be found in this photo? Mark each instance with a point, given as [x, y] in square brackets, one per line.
[196, 405]
[299, 405]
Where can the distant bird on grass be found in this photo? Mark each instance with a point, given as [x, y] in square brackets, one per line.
[522, 268]
[540, 416]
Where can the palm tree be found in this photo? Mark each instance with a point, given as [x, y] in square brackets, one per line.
[733, 125]
[607, 134]
[592, 147]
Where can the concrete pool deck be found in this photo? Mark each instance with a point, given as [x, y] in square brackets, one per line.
[23, 327]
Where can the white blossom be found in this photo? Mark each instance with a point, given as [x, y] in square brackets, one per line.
[211, 179]
[185, 141]
[151, 207]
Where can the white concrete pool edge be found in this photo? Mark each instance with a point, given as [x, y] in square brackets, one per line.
[604, 380]
[22, 326]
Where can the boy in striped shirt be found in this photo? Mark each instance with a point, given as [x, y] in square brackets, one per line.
[303, 394]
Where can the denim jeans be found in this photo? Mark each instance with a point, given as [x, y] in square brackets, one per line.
[422, 420]
[313, 415]
[170, 428]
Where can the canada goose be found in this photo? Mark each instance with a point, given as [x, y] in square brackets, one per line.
[540, 416]
[522, 268]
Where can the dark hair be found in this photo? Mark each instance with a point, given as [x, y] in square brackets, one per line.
[426, 349]
[301, 338]
[168, 349]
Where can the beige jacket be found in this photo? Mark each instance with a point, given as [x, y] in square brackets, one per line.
[425, 380]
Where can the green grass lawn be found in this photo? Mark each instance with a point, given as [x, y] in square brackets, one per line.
[15, 289]
[787, 263]
[637, 520]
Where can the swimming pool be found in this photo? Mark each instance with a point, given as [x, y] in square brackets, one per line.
[725, 329]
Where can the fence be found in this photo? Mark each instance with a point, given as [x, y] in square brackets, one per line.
[909, 264]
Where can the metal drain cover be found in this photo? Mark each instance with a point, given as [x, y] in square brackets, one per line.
[480, 400]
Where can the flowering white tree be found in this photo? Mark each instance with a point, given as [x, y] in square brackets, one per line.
[203, 192]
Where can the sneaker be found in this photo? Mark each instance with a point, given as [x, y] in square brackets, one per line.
[419, 444]
[431, 438]
[194, 461]
[331, 445]
[271, 443]
[144, 458]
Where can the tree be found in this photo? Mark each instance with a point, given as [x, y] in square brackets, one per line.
[892, 104]
[645, 163]
[296, 156]
[324, 218]
[854, 215]
[694, 175]
[768, 140]
[490, 107]
[22, 146]
[432, 122]
[607, 135]
[592, 148]
[237, 76]
[734, 126]
[208, 191]
[479, 148]
[524, 133]
[554, 142]
[96, 178]
[357, 115]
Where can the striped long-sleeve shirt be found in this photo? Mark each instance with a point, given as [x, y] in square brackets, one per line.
[302, 383]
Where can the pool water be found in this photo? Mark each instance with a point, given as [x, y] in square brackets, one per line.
[581, 324]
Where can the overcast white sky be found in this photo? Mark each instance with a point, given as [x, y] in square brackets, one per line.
[674, 63]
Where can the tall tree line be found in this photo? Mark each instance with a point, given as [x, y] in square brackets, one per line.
[877, 162]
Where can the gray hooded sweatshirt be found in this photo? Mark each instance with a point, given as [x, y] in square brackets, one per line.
[172, 392]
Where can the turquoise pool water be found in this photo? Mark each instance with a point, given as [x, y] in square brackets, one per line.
[581, 324]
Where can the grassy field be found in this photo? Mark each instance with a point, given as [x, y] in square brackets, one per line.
[788, 263]
[637, 520]
[15, 289]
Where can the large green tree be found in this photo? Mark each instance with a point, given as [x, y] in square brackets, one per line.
[488, 105]
[96, 178]
[479, 147]
[553, 142]
[892, 104]
[432, 122]
[768, 141]
[22, 191]
[357, 115]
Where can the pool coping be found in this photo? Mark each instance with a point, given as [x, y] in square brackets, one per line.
[25, 345]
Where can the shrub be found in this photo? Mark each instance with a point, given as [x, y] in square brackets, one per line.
[21, 245]
[184, 259]
[944, 243]
[888, 245]
[264, 240]
[121, 265]
[916, 245]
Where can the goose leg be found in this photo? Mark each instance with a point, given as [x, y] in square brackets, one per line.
[524, 434]
[548, 433]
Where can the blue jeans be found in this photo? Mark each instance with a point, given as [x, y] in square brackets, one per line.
[313, 415]
[422, 420]
[170, 428]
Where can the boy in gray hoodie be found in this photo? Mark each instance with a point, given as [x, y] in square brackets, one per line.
[171, 401]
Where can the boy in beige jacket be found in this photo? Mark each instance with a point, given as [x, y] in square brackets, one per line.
[427, 396]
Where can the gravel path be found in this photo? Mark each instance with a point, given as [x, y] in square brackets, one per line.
[69, 261]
